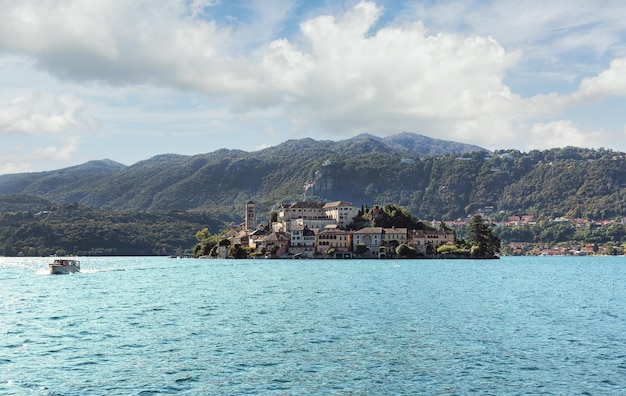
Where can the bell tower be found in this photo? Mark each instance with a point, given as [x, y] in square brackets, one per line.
[250, 219]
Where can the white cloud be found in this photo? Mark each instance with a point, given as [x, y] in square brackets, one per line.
[343, 66]
[121, 42]
[13, 161]
[65, 151]
[197, 6]
[441, 70]
[22, 158]
[347, 77]
[609, 83]
[543, 29]
[29, 115]
[562, 40]
[561, 134]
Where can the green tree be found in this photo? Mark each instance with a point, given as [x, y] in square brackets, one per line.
[406, 251]
[484, 242]
[202, 234]
[360, 249]
[237, 251]
[207, 243]
[448, 249]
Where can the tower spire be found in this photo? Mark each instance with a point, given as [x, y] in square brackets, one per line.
[250, 219]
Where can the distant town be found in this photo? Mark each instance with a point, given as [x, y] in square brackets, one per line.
[543, 249]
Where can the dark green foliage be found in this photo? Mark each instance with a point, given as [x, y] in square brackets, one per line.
[82, 230]
[237, 252]
[388, 216]
[207, 243]
[405, 251]
[360, 249]
[21, 203]
[484, 243]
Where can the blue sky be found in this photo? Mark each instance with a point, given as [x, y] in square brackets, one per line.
[84, 80]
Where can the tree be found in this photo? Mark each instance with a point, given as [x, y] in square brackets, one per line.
[484, 243]
[237, 251]
[203, 234]
[360, 248]
[406, 251]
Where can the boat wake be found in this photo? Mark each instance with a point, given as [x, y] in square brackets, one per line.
[95, 271]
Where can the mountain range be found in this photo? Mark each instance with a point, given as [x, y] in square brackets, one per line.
[432, 178]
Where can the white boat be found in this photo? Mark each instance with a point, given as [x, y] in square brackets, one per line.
[64, 266]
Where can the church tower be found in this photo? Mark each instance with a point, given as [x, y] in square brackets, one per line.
[250, 222]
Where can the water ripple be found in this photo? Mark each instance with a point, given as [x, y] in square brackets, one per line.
[136, 326]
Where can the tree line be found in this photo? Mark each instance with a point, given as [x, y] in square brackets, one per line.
[71, 229]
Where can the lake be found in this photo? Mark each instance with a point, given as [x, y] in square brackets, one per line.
[153, 326]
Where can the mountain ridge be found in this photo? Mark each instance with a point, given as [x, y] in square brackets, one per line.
[174, 181]
[364, 170]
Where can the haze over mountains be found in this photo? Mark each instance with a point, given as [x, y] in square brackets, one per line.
[432, 178]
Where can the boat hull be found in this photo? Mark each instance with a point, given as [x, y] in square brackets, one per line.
[59, 268]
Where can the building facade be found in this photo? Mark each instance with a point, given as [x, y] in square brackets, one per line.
[371, 237]
[341, 212]
[302, 242]
[394, 235]
[299, 210]
[419, 239]
[334, 238]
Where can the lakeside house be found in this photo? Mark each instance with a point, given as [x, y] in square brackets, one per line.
[334, 239]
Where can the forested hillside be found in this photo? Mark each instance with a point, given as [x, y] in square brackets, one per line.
[433, 179]
[73, 229]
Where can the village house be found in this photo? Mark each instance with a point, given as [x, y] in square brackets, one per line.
[240, 238]
[314, 224]
[275, 244]
[371, 237]
[255, 235]
[513, 220]
[394, 235]
[299, 210]
[334, 238]
[303, 241]
[420, 239]
[310, 214]
[341, 212]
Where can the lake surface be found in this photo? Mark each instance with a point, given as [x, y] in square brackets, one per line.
[148, 326]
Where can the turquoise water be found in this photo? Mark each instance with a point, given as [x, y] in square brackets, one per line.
[147, 326]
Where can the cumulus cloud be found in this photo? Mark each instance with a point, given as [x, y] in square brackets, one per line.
[609, 83]
[23, 115]
[344, 73]
[123, 42]
[158, 42]
[21, 158]
[560, 134]
[13, 163]
[64, 151]
[350, 77]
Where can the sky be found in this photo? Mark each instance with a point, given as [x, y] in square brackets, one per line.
[85, 80]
